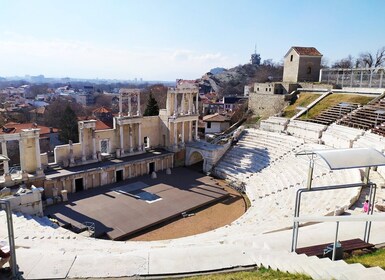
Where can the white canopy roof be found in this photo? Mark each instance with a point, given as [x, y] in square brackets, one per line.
[350, 158]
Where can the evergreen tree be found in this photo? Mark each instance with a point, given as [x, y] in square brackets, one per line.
[68, 126]
[152, 108]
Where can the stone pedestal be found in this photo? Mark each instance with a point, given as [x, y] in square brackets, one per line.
[64, 195]
[7, 179]
[39, 172]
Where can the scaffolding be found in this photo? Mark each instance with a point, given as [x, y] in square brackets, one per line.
[357, 77]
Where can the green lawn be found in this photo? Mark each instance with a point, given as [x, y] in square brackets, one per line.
[262, 273]
[303, 100]
[376, 258]
[334, 99]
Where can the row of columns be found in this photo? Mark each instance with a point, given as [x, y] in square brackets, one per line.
[191, 108]
[175, 129]
[129, 98]
[130, 132]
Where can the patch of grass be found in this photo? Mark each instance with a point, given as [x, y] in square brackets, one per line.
[334, 99]
[255, 274]
[303, 100]
[376, 258]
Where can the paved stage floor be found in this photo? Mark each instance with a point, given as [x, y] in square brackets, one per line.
[122, 209]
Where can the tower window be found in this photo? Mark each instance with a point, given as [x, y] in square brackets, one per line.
[309, 70]
[291, 58]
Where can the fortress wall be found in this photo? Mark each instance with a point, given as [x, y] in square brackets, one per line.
[266, 105]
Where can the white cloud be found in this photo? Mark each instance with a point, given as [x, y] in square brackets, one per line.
[57, 58]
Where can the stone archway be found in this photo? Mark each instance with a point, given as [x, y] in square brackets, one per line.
[196, 160]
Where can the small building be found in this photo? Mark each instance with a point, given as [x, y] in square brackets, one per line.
[216, 123]
[302, 64]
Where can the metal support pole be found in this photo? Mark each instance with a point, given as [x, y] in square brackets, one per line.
[368, 224]
[11, 238]
[366, 176]
[296, 224]
[310, 173]
[371, 78]
[335, 242]
[362, 73]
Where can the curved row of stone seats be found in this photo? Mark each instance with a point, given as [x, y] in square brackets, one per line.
[30, 227]
[276, 179]
[305, 130]
[255, 151]
[370, 140]
[274, 124]
[339, 136]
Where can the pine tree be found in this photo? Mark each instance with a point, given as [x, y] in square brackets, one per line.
[68, 126]
[152, 108]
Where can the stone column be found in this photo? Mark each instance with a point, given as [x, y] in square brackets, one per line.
[120, 105]
[21, 150]
[182, 106]
[138, 106]
[175, 134]
[121, 139]
[94, 156]
[189, 103]
[190, 131]
[130, 132]
[140, 137]
[175, 103]
[182, 132]
[196, 130]
[5, 153]
[37, 150]
[197, 107]
[83, 144]
[129, 105]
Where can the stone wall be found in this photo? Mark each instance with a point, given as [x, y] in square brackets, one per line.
[96, 177]
[265, 105]
[151, 129]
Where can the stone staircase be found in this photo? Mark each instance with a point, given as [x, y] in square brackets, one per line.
[33, 227]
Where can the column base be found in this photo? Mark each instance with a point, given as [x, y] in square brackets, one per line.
[7, 177]
[40, 171]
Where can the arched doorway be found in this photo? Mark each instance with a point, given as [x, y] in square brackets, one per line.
[196, 161]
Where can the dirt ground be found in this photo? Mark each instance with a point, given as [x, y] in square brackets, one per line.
[220, 214]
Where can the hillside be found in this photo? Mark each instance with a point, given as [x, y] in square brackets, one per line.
[232, 81]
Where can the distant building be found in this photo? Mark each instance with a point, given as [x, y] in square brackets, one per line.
[302, 64]
[216, 123]
[86, 99]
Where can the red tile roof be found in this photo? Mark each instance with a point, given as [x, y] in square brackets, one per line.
[216, 118]
[99, 125]
[101, 110]
[13, 127]
[310, 51]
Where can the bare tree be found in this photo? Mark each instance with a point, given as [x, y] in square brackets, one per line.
[347, 62]
[370, 60]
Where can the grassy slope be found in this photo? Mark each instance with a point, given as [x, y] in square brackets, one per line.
[374, 259]
[303, 100]
[265, 274]
[331, 100]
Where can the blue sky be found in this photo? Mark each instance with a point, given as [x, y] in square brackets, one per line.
[166, 40]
